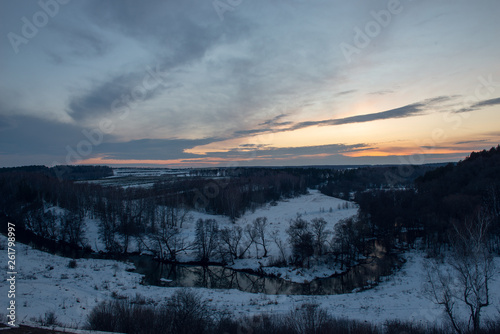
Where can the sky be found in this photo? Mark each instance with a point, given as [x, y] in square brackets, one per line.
[198, 83]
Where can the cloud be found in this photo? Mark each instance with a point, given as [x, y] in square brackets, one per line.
[470, 141]
[264, 151]
[347, 92]
[113, 95]
[481, 104]
[271, 125]
[382, 92]
[274, 120]
[151, 149]
[31, 136]
[267, 67]
[252, 146]
[406, 111]
[78, 42]
[409, 110]
[4, 123]
[27, 135]
[172, 34]
[251, 132]
[177, 30]
[487, 103]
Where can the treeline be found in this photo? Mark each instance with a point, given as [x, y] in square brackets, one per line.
[435, 205]
[64, 172]
[186, 312]
[231, 195]
[426, 207]
[54, 208]
[27, 196]
[342, 183]
[153, 217]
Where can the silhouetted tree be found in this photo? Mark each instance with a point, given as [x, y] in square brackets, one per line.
[259, 226]
[207, 231]
[321, 234]
[301, 239]
[468, 282]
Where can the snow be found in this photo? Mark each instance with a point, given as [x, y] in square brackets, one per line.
[45, 283]
[139, 177]
[309, 206]
[121, 172]
[92, 234]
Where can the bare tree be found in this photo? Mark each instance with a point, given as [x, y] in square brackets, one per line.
[230, 239]
[301, 238]
[107, 232]
[281, 246]
[176, 216]
[468, 280]
[320, 234]
[251, 237]
[127, 224]
[259, 226]
[72, 229]
[207, 232]
[170, 242]
[232, 196]
[42, 224]
[346, 242]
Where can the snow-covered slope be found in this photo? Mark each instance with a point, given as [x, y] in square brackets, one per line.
[45, 283]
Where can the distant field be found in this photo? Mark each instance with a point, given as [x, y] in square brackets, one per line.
[140, 177]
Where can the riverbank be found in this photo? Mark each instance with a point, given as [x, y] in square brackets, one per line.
[47, 284]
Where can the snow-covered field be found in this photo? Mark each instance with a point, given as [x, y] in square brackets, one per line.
[45, 282]
[139, 177]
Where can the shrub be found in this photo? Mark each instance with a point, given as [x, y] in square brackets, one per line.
[72, 264]
[184, 312]
[48, 320]
[398, 326]
[189, 312]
